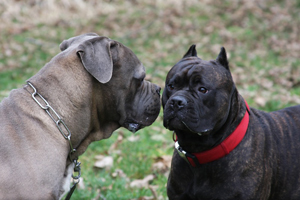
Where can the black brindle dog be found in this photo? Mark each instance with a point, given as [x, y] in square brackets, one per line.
[224, 149]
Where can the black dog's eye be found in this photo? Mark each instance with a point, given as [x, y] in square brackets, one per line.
[203, 90]
[171, 87]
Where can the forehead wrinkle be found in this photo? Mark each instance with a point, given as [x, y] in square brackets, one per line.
[189, 65]
[200, 68]
[182, 74]
[193, 69]
[205, 72]
[182, 67]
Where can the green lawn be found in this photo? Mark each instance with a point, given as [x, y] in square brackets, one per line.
[262, 41]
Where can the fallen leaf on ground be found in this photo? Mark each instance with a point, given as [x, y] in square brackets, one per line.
[142, 183]
[114, 146]
[261, 101]
[162, 164]
[133, 138]
[104, 162]
[119, 173]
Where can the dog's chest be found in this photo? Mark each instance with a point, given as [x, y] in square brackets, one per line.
[67, 180]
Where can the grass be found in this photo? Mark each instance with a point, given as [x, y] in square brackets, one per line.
[133, 158]
[262, 41]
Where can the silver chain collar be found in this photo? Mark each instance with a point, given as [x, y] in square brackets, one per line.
[60, 124]
[56, 119]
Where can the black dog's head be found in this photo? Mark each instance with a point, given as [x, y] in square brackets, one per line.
[197, 94]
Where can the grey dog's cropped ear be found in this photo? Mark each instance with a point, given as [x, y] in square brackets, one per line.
[67, 43]
[191, 52]
[222, 58]
[96, 57]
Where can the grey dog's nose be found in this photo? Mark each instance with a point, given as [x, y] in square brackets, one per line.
[178, 102]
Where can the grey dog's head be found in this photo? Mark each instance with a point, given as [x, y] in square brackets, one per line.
[125, 98]
[197, 94]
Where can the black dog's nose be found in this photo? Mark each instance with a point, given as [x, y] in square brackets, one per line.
[178, 102]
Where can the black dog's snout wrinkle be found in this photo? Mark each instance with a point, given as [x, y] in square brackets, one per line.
[178, 102]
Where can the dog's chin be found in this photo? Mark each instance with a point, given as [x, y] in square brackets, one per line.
[199, 130]
[177, 124]
[174, 124]
[133, 126]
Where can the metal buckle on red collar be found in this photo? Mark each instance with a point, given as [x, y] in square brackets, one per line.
[185, 154]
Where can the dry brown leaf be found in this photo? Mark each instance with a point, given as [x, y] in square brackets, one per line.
[261, 101]
[162, 164]
[133, 138]
[114, 146]
[119, 173]
[81, 184]
[142, 183]
[104, 162]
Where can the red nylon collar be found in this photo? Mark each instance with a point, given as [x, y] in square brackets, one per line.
[222, 149]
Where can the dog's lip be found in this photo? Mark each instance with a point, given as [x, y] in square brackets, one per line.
[202, 133]
[133, 126]
[205, 132]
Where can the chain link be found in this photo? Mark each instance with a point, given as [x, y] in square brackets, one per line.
[59, 122]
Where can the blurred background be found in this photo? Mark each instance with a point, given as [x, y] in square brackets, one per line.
[262, 39]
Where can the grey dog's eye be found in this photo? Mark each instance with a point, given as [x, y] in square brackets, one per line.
[203, 90]
[140, 81]
[171, 87]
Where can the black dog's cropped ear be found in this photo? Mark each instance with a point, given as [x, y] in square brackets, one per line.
[222, 58]
[191, 52]
[96, 57]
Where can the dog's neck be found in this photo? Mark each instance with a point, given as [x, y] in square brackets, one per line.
[192, 142]
[72, 100]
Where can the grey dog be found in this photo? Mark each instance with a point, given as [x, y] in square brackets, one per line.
[93, 87]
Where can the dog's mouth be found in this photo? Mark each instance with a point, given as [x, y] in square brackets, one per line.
[135, 123]
[200, 133]
[133, 126]
[175, 123]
